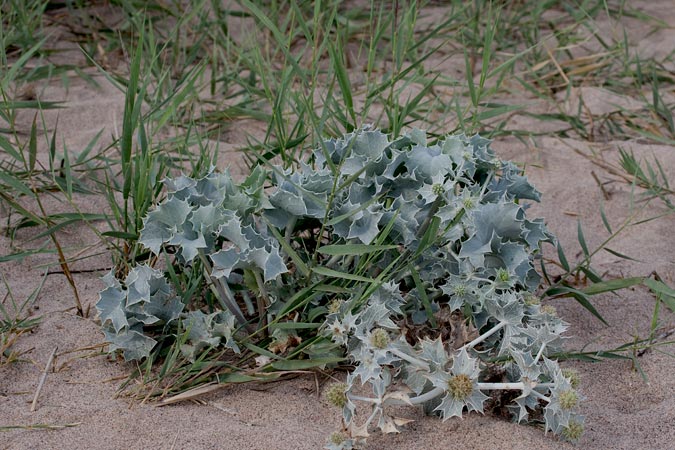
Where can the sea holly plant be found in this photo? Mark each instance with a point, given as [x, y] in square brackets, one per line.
[412, 260]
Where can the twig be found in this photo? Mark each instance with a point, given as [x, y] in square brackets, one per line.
[40, 426]
[557, 66]
[88, 347]
[175, 438]
[42, 379]
[191, 394]
[662, 336]
[61, 272]
[610, 168]
[600, 185]
[63, 262]
[263, 302]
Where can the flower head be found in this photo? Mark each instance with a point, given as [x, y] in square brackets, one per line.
[379, 338]
[334, 306]
[568, 399]
[336, 394]
[337, 438]
[573, 430]
[460, 385]
[531, 299]
[573, 376]
[338, 441]
[468, 203]
[503, 275]
[550, 310]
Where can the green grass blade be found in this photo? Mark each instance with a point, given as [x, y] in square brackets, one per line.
[612, 285]
[299, 263]
[324, 271]
[423, 296]
[582, 240]
[604, 219]
[620, 255]
[32, 145]
[343, 82]
[353, 249]
[566, 291]
[665, 292]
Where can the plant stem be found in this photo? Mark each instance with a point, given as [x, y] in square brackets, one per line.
[263, 301]
[63, 262]
[482, 337]
[290, 226]
[414, 361]
[363, 399]
[516, 386]
[432, 394]
[437, 391]
[541, 352]
[222, 292]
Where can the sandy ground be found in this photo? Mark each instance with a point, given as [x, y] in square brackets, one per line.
[622, 410]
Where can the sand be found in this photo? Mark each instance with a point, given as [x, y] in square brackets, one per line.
[622, 410]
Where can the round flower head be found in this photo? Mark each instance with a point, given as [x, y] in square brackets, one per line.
[460, 289]
[550, 310]
[379, 338]
[438, 189]
[334, 306]
[573, 376]
[336, 394]
[468, 203]
[568, 399]
[503, 275]
[460, 387]
[573, 431]
[531, 299]
[337, 438]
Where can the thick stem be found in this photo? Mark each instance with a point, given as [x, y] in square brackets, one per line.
[372, 416]
[333, 260]
[435, 392]
[364, 399]
[222, 292]
[432, 394]
[541, 396]
[250, 309]
[482, 337]
[435, 206]
[541, 352]
[290, 226]
[412, 360]
[263, 300]
[516, 386]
